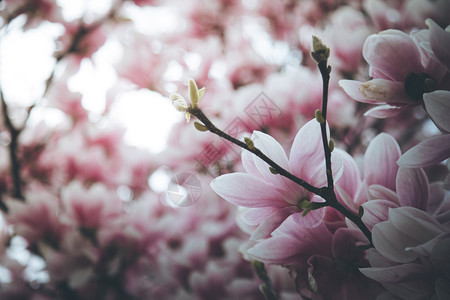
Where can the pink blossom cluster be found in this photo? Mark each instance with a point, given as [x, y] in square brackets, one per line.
[82, 219]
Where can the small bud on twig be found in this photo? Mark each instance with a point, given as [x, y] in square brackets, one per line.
[249, 143]
[319, 116]
[331, 145]
[178, 102]
[273, 171]
[200, 93]
[320, 51]
[193, 93]
[200, 126]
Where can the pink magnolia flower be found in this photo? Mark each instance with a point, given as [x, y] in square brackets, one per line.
[402, 73]
[372, 183]
[272, 198]
[326, 262]
[427, 153]
[411, 254]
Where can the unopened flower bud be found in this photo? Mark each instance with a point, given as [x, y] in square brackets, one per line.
[319, 116]
[320, 51]
[331, 145]
[200, 93]
[178, 102]
[249, 143]
[193, 93]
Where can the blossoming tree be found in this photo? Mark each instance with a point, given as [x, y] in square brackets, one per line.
[292, 189]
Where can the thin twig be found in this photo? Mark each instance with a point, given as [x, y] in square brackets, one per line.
[13, 145]
[198, 113]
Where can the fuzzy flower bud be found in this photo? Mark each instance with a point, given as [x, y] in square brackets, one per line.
[320, 52]
[193, 93]
[178, 102]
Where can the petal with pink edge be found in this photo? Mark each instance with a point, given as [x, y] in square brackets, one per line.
[437, 105]
[350, 179]
[272, 149]
[412, 188]
[376, 192]
[311, 219]
[383, 90]
[247, 190]
[376, 211]
[386, 111]
[248, 163]
[255, 216]
[351, 88]
[394, 53]
[429, 152]
[439, 42]
[277, 250]
[272, 222]
[307, 150]
[380, 165]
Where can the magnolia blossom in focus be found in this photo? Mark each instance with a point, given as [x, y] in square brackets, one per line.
[403, 68]
[271, 198]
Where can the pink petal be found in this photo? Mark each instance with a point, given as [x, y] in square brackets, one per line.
[272, 222]
[351, 177]
[272, 149]
[376, 211]
[376, 192]
[412, 188]
[307, 151]
[429, 152]
[393, 53]
[386, 111]
[255, 216]
[437, 105]
[249, 163]
[346, 199]
[351, 87]
[311, 220]
[247, 190]
[439, 42]
[276, 250]
[383, 90]
[380, 161]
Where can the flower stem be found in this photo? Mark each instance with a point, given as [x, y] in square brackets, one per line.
[325, 72]
[330, 195]
[198, 113]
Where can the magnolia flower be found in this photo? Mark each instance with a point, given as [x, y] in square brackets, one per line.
[326, 262]
[411, 255]
[271, 198]
[402, 71]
